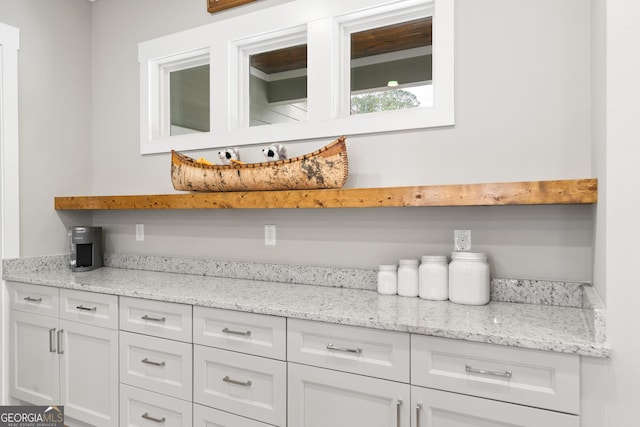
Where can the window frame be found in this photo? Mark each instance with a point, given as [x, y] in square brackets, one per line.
[325, 28]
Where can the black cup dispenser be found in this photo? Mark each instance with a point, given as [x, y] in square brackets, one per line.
[85, 247]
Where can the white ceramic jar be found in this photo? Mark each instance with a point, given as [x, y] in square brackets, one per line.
[433, 278]
[408, 278]
[388, 279]
[469, 278]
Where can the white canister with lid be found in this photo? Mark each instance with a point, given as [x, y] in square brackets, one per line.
[469, 278]
[433, 278]
[408, 278]
[388, 279]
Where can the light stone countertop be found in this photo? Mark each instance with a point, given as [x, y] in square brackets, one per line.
[552, 328]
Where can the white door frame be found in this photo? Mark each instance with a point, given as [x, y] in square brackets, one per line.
[9, 185]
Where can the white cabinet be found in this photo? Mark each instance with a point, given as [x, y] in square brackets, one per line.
[35, 367]
[34, 299]
[89, 373]
[60, 362]
[373, 352]
[435, 408]
[484, 385]
[180, 365]
[251, 386]
[157, 318]
[236, 367]
[143, 408]
[251, 333]
[156, 363]
[321, 397]
[534, 378]
[327, 397]
[204, 416]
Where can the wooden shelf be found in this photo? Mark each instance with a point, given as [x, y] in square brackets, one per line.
[574, 191]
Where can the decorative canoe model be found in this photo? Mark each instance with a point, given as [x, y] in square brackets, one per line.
[327, 167]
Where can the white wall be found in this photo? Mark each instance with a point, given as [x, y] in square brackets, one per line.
[54, 91]
[622, 201]
[523, 113]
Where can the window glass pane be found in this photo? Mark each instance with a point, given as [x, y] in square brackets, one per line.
[278, 86]
[189, 95]
[391, 67]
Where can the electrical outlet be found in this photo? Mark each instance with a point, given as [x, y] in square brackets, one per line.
[139, 232]
[270, 235]
[462, 240]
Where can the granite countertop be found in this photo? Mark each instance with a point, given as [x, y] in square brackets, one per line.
[544, 327]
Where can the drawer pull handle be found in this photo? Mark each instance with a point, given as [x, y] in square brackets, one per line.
[52, 341]
[60, 346]
[154, 319]
[32, 299]
[82, 307]
[151, 362]
[146, 416]
[418, 409]
[345, 349]
[398, 404]
[505, 374]
[231, 331]
[229, 380]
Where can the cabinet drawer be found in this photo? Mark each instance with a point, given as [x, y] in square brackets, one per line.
[529, 377]
[89, 307]
[156, 364]
[251, 386]
[434, 408]
[325, 398]
[144, 408]
[208, 417]
[34, 298]
[157, 318]
[250, 333]
[377, 353]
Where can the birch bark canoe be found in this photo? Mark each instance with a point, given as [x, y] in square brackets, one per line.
[327, 167]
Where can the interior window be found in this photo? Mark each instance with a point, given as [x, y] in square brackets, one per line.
[189, 100]
[278, 86]
[391, 67]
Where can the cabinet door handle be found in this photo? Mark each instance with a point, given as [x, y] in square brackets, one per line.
[52, 342]
[153, 319]
[418, 409]
[151, 362]
[345, 349]
[398, 404]
[32, 299]
[146, 416]
[229, 380]
[231, 331]
[504, 374]
[82, 307]
[60, 349]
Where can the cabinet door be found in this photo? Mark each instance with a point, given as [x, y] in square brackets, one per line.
[435, 408]
[34, 366]
[320, 397]
[204, 416]
[89, 373]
